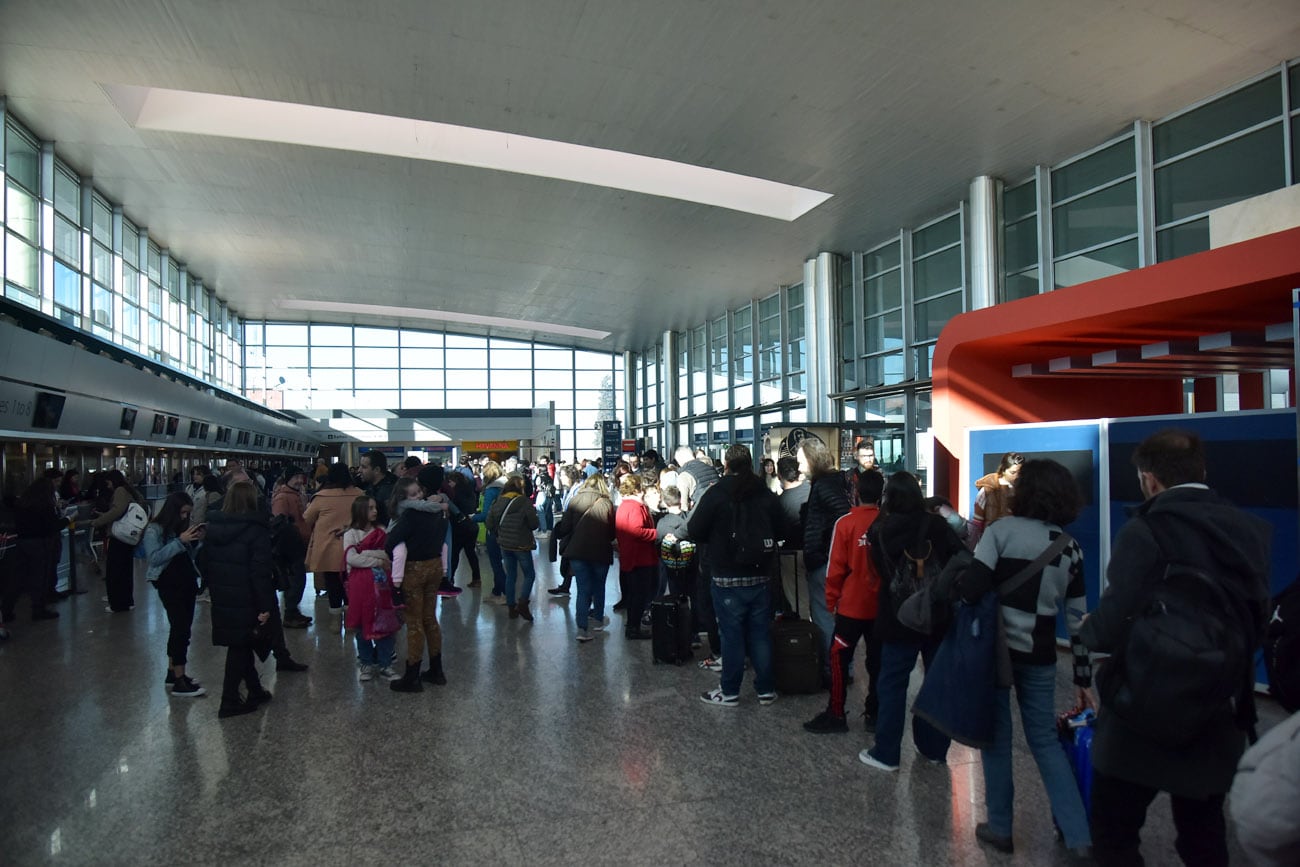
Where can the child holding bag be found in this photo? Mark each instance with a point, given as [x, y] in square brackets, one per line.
[370, 609]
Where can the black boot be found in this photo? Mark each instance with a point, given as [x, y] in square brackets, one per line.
[434, 675]
[410, 681]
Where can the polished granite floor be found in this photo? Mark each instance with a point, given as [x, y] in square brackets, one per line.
[540, 750]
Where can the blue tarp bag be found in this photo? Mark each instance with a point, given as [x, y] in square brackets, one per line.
[957, 697]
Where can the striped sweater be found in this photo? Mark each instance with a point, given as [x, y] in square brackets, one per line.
[1030, 611]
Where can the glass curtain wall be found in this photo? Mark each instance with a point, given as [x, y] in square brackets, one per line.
[311, 367]
[69, 253]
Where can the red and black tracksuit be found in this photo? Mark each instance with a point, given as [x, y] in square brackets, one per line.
[852, 594]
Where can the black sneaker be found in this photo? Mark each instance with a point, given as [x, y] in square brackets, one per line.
[170, 679]
[869, 723]
[826, 723]
[290, 664]
[187, 688]
[258, 696]
[985, 834]
[228, 710]
[557, 592]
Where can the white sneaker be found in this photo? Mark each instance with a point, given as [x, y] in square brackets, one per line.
[868, 759]
[766, 697]
[387, 673]
[598, 625]
[717, 699]
[585, 635]
[366, 672]
[496, 600]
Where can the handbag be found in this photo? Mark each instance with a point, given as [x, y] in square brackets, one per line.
[386, 620]
[973, 662]
[918, 611]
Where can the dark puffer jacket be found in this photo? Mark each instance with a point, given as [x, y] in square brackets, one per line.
[828, 501]
[888, 536]
[1202, 528]
[235, 561]
[587, 529]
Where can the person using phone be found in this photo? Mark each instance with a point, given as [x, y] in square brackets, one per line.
[170, 545]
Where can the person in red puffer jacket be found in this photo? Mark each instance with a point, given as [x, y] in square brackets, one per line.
[638, 553]
[852, 595]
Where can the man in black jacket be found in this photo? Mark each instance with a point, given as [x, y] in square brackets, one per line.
[739, 520]
[1129, 767]
[379, 482]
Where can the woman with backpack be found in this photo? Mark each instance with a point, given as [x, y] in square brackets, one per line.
[907, 543]
[171, 543]
[119, 573]
[1046, 499]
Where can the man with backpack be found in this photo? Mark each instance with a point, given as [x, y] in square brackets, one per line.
[1182, 616]
[739, 520]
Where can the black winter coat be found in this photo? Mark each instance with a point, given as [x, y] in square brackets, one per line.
[1202, 528]
[235, 561]
[712, 520]
[828, 501]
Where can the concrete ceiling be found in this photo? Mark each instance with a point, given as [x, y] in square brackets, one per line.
[892, 107]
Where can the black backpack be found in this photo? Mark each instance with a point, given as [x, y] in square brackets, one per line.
[1188, 656]
[753, 538]
[915, 568]
[1282, 648]
[286, 544]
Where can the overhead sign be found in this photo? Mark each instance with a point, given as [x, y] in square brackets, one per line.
[489, 445]
[611, 443]
[629, 446]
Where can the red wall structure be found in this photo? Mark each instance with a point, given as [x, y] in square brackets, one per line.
[1240, 290]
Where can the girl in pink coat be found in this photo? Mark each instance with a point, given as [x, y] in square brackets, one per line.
[369, 591]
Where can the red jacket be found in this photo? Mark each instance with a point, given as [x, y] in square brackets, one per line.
[852, 583]
[636, 535]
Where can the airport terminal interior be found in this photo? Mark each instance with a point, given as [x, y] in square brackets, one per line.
[292, 231]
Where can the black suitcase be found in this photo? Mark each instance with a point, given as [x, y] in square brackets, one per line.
[796, 652]
[670, 629]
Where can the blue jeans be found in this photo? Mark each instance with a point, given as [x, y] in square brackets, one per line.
[590, 576]
[1036, 695]
[375, 652]
[822, 617]
[514, 561]
[498, 569]
[896, 663]
[545, 516]
[745, 622]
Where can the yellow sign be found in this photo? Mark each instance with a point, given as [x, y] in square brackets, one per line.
[489, 446]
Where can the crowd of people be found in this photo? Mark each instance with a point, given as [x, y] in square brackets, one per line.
[374, 539]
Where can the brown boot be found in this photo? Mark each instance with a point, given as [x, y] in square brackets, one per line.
[514, 612]
[522, 608]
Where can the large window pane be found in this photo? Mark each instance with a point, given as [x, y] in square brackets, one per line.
[937, 273]
[421, 380]
[880, 259]
[335, 379]
[426, 339]
[882, 369]
[932, 316]
[553, 379]
[67, 287]
[477, 379]
[1103, 216]
[375, 357]
[421, 357]
[101, 264]
[101, 305]
[101, 221]
[1104, 166]
[376, 378]
[422, 399]
[22, 159]
[1097, 264]
[936, 236]
[514, 359]
[1020, 245]
[286, 335]
[1019, 202]
[883, 292]
[553, 359]
[67, 194]
[21, 262]
[331, 356]
[375, 336]
[506, 398]
[1183, 240]
[1021, 285]
[513, 379]
[1233, 171]
[67, 242]
[286, 356]
[21, 213]
[1222, 117]
[884, 332]
[466, 358]
[331, 335]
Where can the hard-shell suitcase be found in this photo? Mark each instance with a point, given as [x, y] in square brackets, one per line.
[670, 629]
[796, 653]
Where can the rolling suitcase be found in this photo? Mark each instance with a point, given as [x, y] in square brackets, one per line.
[670, 629]
[796, 652]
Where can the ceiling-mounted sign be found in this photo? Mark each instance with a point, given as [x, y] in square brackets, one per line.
[489, 445]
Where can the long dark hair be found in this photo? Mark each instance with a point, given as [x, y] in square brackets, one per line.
[117, 480]
[169, 516]
[337, 476]
[39, 495]
[361, 513]
[740, 466]
[902, 495]
[65, 488]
